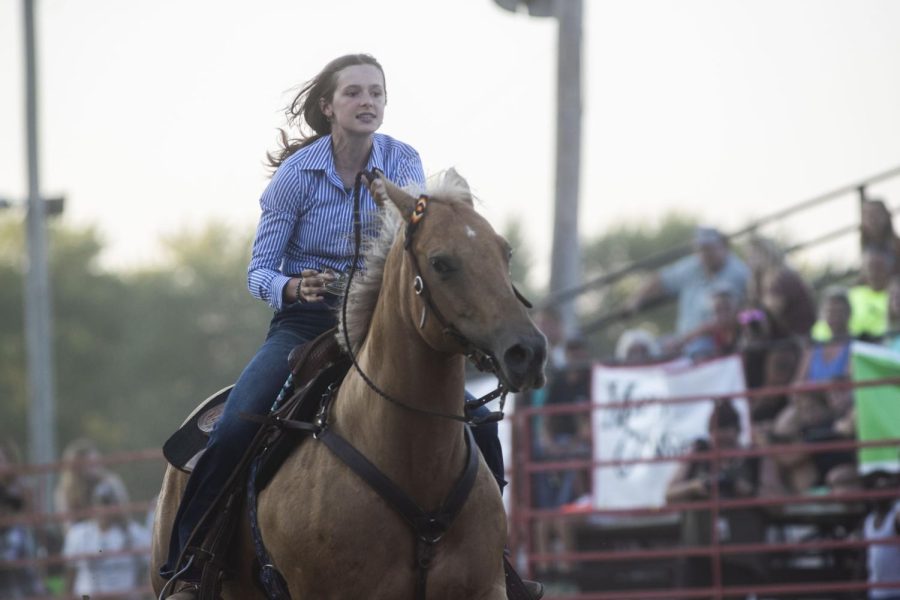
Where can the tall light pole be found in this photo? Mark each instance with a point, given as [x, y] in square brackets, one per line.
[38, 328]
[565, 259]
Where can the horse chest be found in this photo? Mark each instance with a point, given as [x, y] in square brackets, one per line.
[335, 533]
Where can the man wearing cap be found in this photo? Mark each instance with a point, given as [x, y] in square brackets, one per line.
[693, 278]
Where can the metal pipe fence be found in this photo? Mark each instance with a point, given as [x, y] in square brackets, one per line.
[49, 562]
[523, 515]
[632, 552]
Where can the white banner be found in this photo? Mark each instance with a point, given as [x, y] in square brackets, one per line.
[654, 430]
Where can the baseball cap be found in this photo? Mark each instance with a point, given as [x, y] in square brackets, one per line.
[708, 235]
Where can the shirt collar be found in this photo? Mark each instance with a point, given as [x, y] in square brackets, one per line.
[319, 156]
[376, 157]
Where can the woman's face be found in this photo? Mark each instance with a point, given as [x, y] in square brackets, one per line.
[837, 315]
[357, 107]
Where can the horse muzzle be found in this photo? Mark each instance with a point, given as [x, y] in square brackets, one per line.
[522, 362]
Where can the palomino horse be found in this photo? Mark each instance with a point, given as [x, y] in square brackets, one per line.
[330, 535]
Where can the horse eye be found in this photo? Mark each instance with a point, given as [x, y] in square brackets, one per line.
[440, 265]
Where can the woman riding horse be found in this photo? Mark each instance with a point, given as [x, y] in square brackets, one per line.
[301, 241]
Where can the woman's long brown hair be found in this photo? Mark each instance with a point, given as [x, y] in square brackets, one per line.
[305, 109]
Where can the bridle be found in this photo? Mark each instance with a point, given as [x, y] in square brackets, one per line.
[484, 360]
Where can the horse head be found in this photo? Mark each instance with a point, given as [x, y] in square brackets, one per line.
[455, 285]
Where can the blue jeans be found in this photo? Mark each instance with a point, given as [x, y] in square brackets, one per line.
[255, 392]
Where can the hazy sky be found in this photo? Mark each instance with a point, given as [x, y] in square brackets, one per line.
[156, 115]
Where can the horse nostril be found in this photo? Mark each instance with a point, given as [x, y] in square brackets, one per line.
[517, 355]
[523, 362]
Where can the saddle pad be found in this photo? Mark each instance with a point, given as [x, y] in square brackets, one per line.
[184, 448]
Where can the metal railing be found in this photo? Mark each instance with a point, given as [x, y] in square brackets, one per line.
[51, 561]
[524, 515]
[670, 255]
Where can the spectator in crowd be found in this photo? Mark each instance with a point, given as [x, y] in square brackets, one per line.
[636, 346]
[723, 329]
[876, 229]
[817, 416]
[781, 311]
[107, 551]
[786, 315]
[810, 417]
[882, 522]
[691, 280]
[830, 360]
[868, 300]
[788, 302]
[736, 477]
[566, 436]
[16, 540]
[820, 416]
[78, 479]
[778, 361]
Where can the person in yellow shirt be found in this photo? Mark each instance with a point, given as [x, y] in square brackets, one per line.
[868, 300]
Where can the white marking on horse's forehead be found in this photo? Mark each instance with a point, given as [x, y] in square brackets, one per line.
[470, 232]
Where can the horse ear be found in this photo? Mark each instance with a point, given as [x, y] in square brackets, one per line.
[405, 202]
[454, 180]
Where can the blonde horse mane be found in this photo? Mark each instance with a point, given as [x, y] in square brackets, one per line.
[447, 186]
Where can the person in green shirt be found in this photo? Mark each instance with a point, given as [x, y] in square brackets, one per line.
[868, 300]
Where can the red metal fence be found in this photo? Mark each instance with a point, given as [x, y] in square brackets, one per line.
[614, 551]
[50, 565]
[610, 544]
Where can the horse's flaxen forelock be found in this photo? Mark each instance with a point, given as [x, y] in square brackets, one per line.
[366, 285]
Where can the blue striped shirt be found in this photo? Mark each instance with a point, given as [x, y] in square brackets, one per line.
[307, 214]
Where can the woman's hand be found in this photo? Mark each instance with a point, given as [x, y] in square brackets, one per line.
[312, 285]
[379, 191]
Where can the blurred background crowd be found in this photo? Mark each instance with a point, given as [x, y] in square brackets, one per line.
[791, 333]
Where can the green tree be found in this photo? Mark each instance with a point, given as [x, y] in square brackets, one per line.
[134, 352]
[13, 380]
[192, 327]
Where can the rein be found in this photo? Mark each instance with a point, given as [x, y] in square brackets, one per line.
[483, 360]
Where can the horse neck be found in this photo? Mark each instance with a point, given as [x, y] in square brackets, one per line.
[421, 453]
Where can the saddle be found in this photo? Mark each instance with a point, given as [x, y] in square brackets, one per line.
[185, 447]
